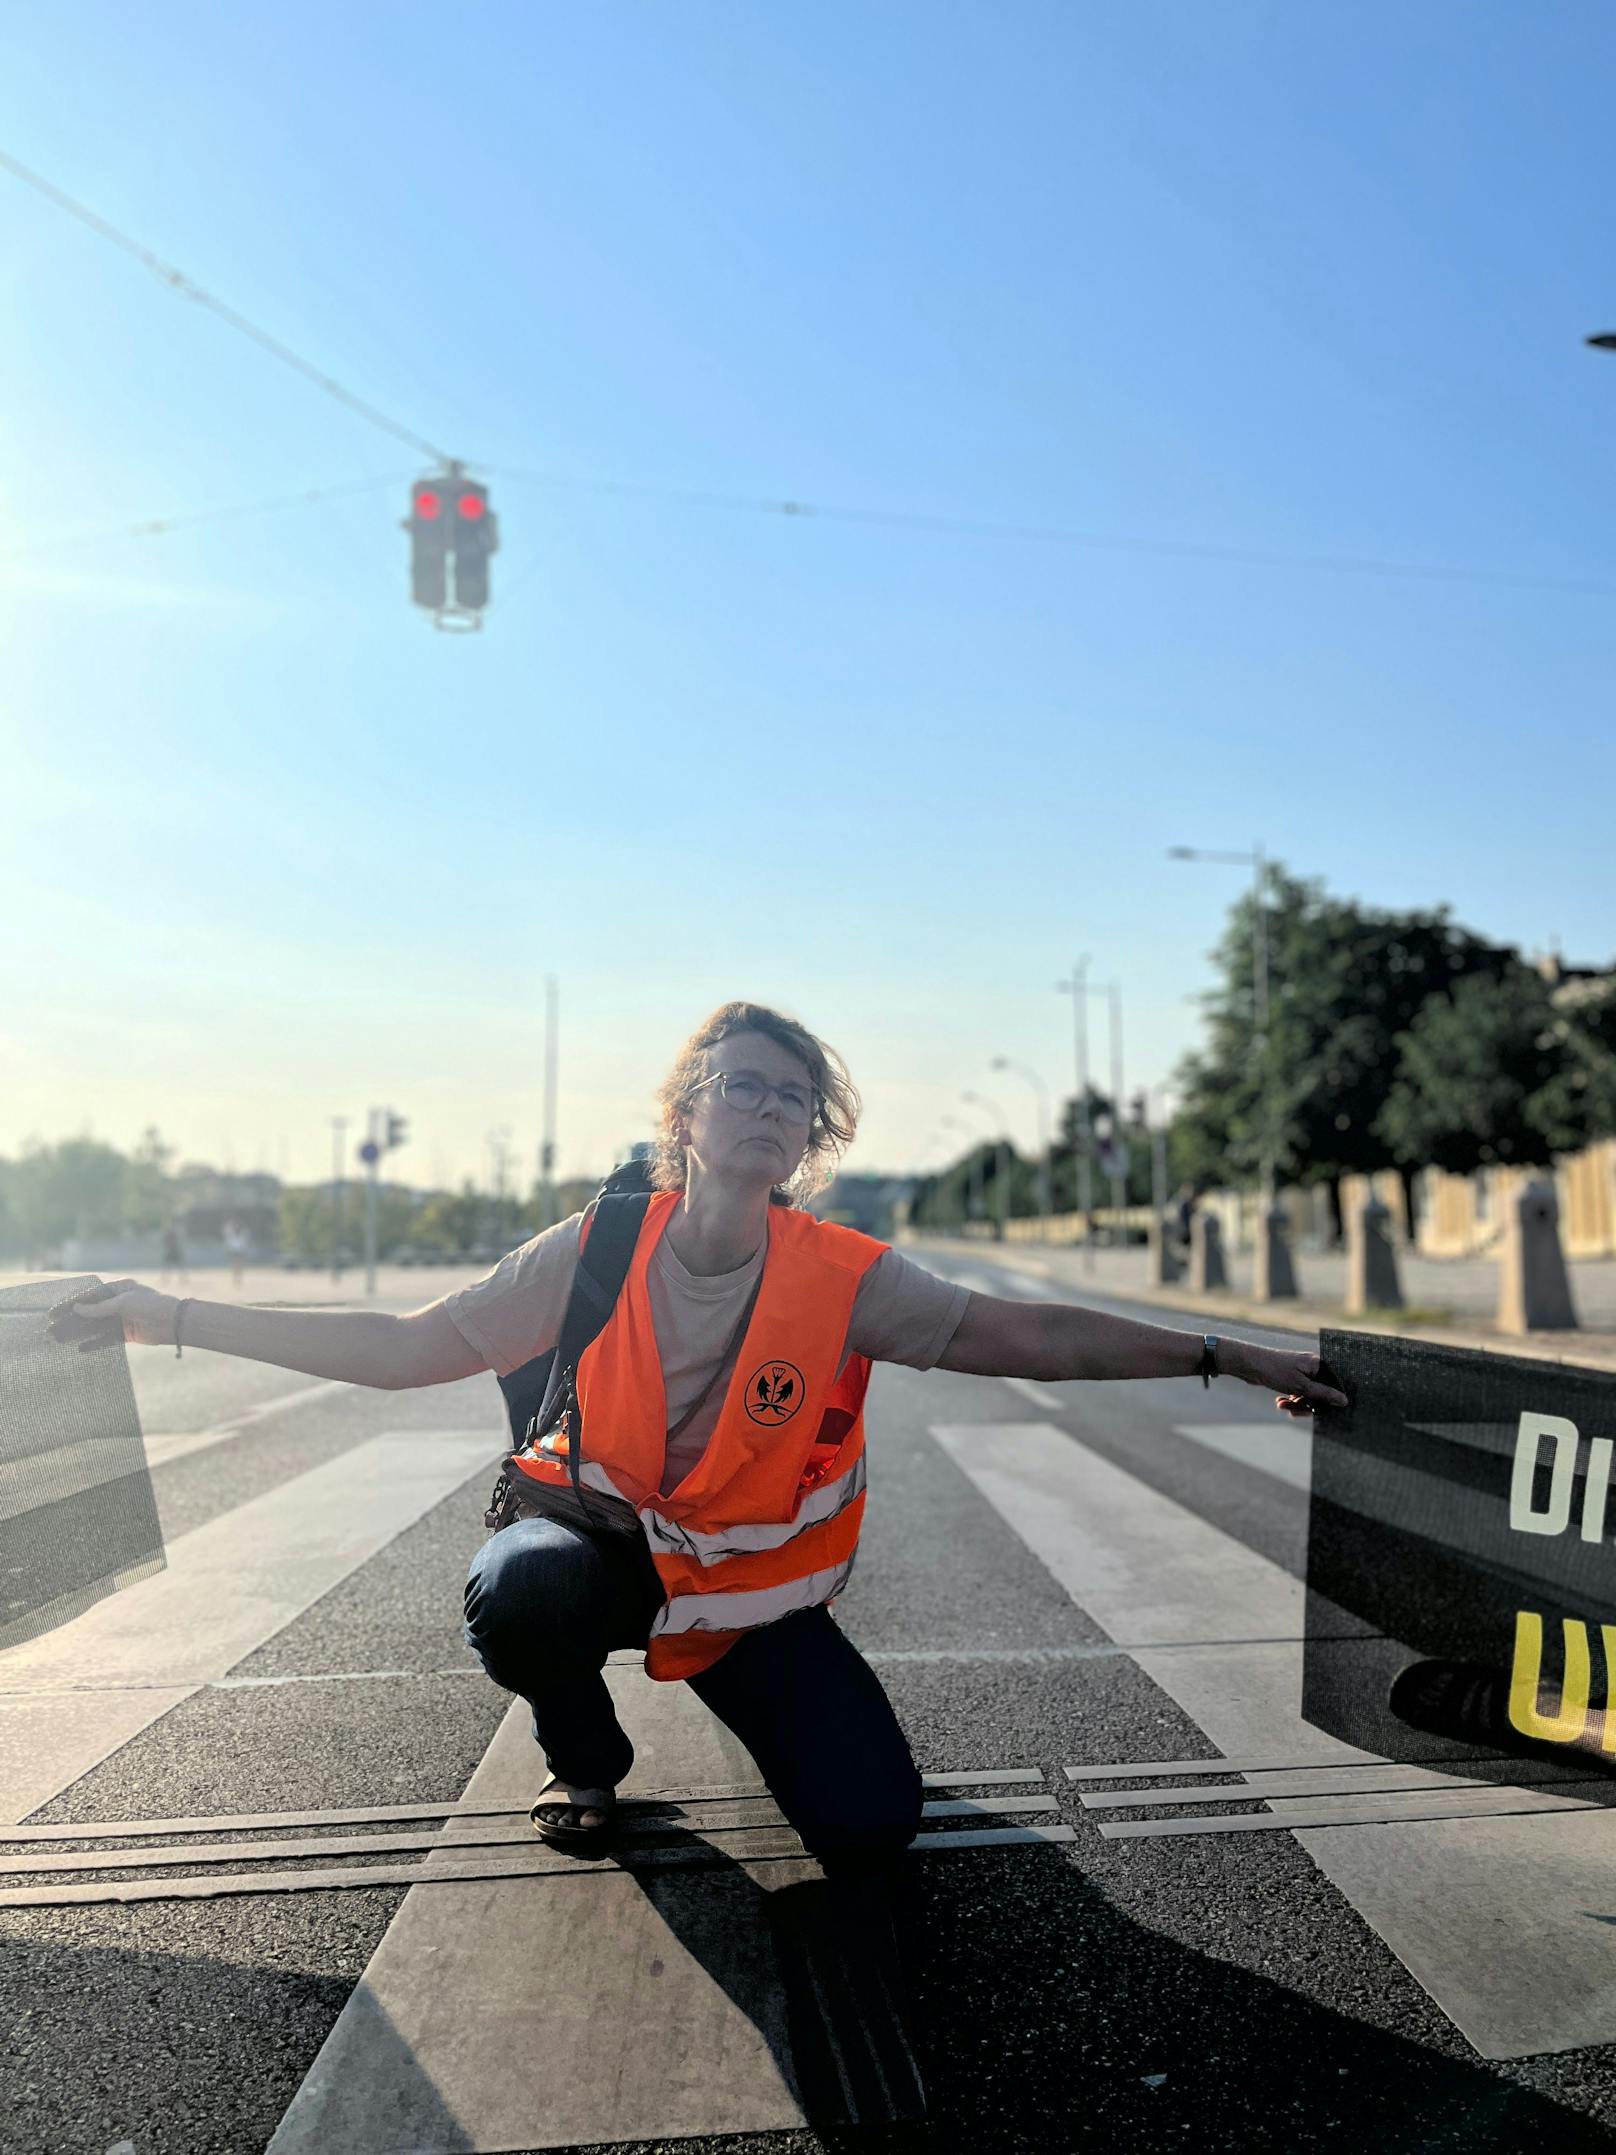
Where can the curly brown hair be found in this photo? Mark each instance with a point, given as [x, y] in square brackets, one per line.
[836, 1100]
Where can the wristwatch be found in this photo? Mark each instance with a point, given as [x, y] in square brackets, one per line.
[1207, 1368]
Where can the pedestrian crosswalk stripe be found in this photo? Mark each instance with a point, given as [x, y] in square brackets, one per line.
[1281, 1449]
[167, 1446]
[1441, 1891]
[229, 1586]
[1042, 1396]
[447, 2019]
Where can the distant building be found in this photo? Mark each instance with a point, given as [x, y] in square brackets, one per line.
[869, 1203]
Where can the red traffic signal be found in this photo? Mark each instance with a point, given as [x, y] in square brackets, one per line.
[452, 532]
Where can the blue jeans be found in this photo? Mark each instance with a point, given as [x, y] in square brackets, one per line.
[546, 1603]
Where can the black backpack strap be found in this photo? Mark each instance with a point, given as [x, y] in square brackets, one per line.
[603, 1263]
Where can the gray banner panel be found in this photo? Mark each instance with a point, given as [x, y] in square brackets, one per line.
[78, 1518]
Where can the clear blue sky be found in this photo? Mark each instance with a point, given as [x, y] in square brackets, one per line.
[1299, 282]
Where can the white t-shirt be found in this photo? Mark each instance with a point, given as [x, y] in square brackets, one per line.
[901, 1313]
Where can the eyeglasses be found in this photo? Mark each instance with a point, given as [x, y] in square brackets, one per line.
[746, 1092]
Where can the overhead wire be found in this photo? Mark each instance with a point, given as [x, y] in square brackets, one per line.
[1057, 534]
[187, 288]
[159, 526]
[942, 523]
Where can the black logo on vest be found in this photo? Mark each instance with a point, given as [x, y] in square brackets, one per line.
[774, 1392]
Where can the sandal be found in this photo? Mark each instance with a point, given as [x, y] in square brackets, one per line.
[560, 1822]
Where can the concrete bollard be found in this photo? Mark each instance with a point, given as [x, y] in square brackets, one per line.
[1275, 1275]
[1207, 1275]
[1534, 1288]
[1164, 1264]
[1372, 1281]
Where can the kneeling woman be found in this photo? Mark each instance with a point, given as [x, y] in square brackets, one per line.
[715, 1512]
[721, 1484]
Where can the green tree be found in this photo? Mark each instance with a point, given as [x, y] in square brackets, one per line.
[944, 1199]
[451, 1221]
[1345, 983]
[75, 1188]
[148, 1195]
[1578, 1105]
[1482, 1078]
[307, 1220]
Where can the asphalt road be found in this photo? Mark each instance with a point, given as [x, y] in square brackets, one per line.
[1207, 1992]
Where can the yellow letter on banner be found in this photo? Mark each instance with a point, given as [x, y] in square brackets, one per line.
[1568, 1724]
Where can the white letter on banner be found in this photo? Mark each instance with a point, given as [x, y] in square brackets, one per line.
[1533, 1429]
[1595, 1488]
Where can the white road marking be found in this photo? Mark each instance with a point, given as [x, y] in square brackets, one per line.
[1282, 1449]
[442, 2032]
[978, 1282]
[42, 1478]
[1029, 1290]
[176, 1444]
[228, 1587]
[1441, 1893]
[1041, 1395]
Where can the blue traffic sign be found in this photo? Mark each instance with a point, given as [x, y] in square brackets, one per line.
[370, 1152]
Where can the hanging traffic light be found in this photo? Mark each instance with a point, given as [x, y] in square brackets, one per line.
[428, 527]
[452, 533]
[475, 536]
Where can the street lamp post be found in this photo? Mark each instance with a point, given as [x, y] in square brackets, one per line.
[1255, 860]
[1079, 990]
[922, 1172]
[1275, 1279]
[1159, 1105]
[1001, 1175]
[339, 1125]
[1045, 1195]
[1083, 1185]
[1119, 1174]
[547, 1148]
[973, 1196]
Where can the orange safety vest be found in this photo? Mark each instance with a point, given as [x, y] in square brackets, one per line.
[768, 1519]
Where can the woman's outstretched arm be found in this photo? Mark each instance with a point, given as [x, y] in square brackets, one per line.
[361, 1346]
[999, 1338]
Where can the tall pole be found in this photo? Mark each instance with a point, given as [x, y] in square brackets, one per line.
[1265, 1060]
[547, 1204]
[972, 1199]
[339, 1125]
[1158, 1156]
[1001, 1170]
[1119, 1180]
[1041, 1093]
[1078, 989]
[371, 1152]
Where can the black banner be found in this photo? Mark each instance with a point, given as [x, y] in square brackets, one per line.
[1461, 1570]
[78, 1518]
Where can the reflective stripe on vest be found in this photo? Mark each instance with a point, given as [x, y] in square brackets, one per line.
[747, 1611]
[670, 1537]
